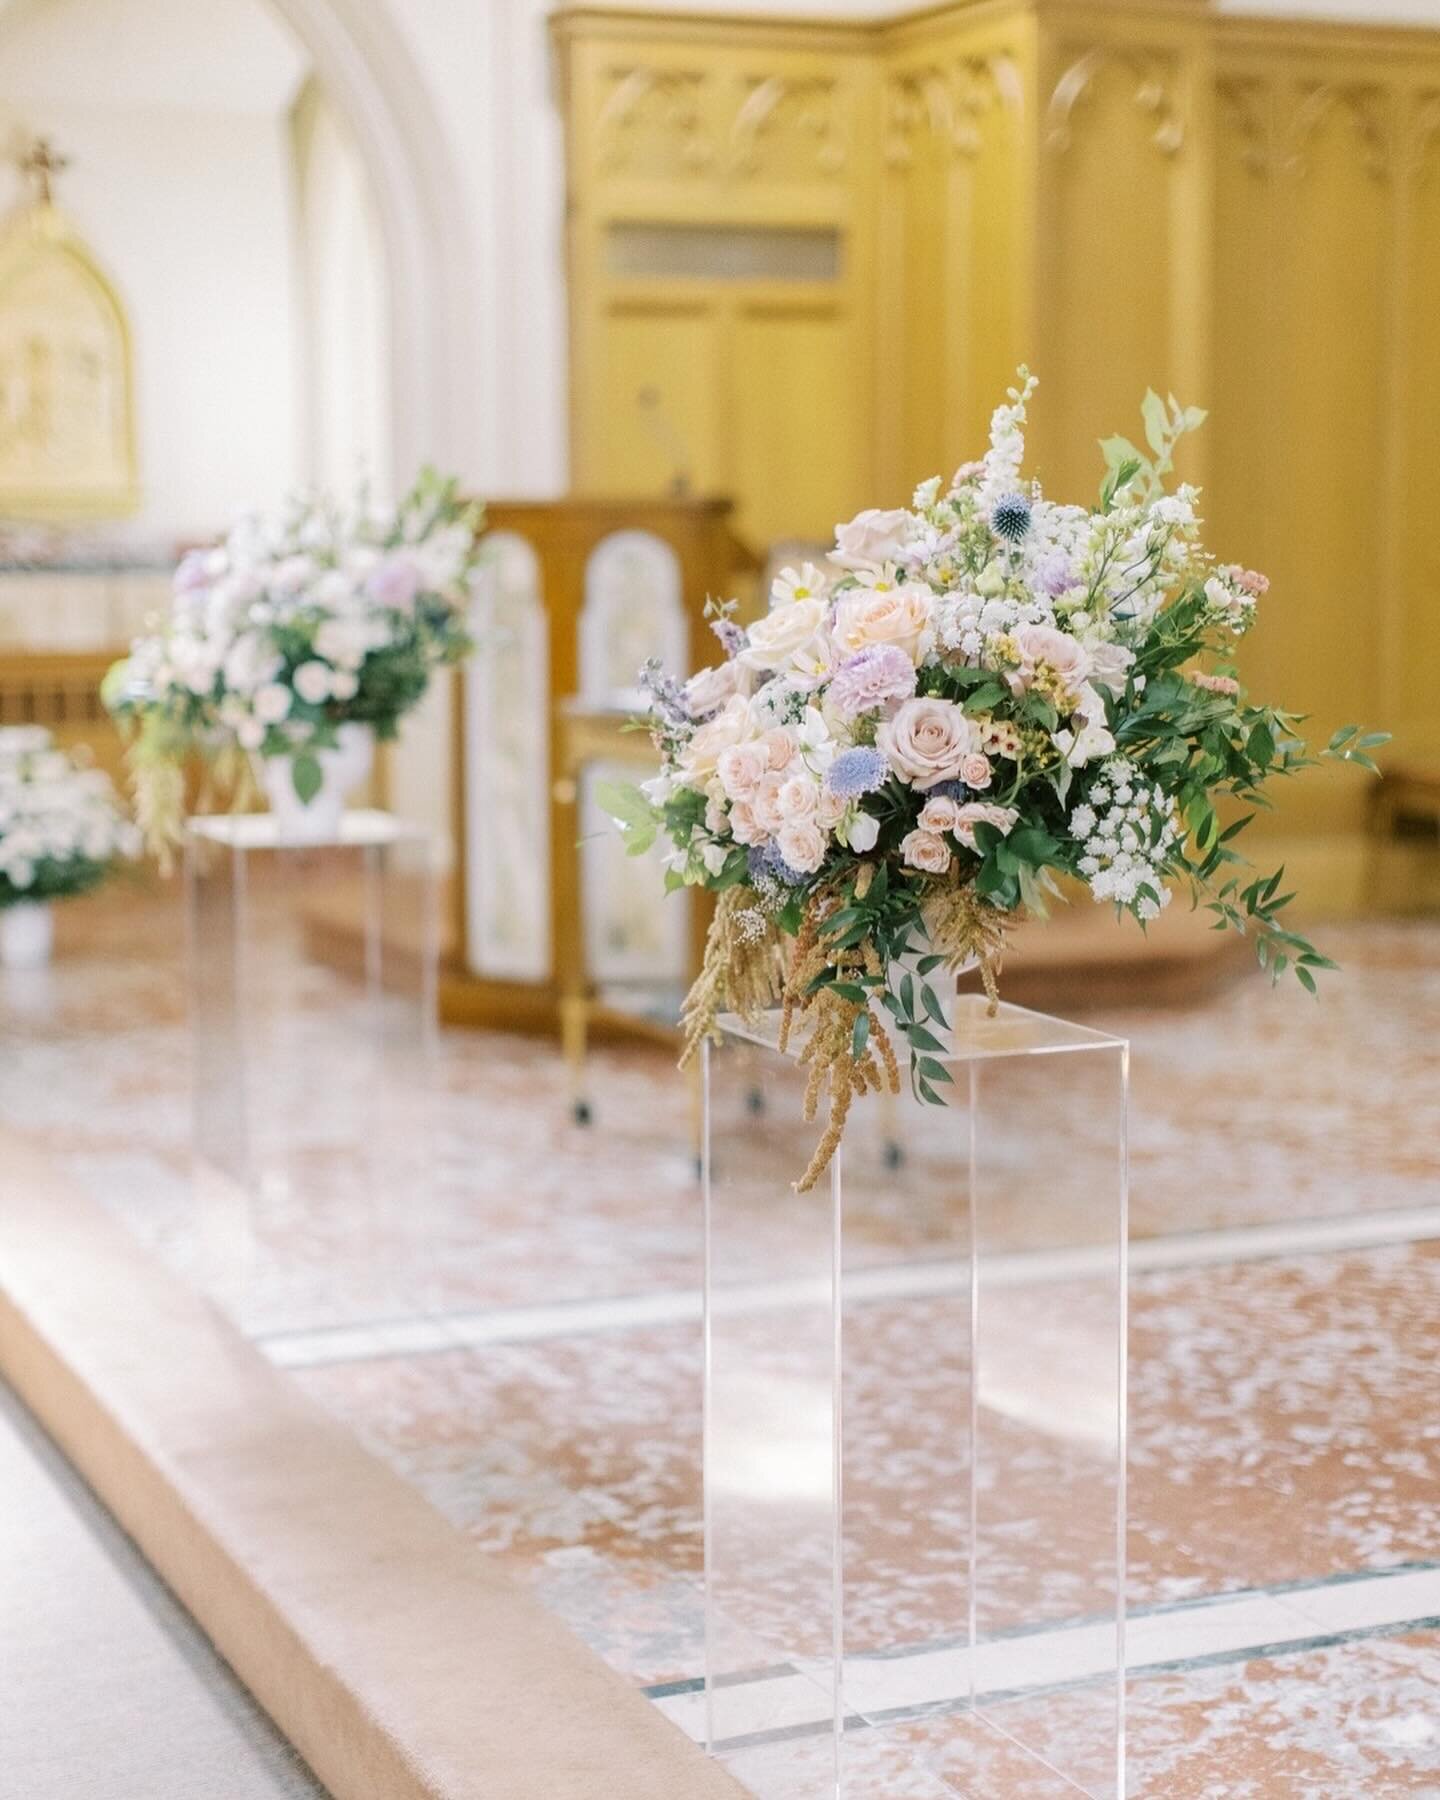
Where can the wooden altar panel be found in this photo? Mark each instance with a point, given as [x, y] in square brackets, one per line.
[563, 537]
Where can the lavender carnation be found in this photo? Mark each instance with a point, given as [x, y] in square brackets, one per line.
[874, 675]
[856, 772]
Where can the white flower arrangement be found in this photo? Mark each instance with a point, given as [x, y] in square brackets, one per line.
[986, 692]
[294, 626]
[61, 828]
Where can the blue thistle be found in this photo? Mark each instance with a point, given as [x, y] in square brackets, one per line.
[856, 772]
[1010, 518]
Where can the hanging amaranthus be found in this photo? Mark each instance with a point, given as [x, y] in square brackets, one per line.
[743, 971]
[964, 930]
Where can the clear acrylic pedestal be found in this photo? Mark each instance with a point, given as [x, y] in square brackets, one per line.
[313, 1008]
[915, 1422]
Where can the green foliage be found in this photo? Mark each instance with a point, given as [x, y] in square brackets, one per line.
[306, 775]
[638, 818]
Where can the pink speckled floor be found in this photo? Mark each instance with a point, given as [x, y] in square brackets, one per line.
[1283, 1421]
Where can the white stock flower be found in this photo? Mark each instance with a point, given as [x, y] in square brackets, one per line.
[312, 682]
[250, 663]
[272, 703]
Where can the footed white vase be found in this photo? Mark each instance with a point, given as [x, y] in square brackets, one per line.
[27, 934]
[342, 769]
[942, 981]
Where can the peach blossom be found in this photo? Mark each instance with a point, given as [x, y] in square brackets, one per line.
[766, 802]
[730, 726]
[978, 812]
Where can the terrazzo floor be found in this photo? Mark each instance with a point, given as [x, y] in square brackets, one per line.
[520, 1338]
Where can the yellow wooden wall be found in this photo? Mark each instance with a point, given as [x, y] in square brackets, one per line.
[1123, 193]
[767, 380]
[1324, 466]
[955, 238]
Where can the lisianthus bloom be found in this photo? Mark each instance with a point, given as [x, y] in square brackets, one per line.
[871, 539]
[790, 637]
[706, 692]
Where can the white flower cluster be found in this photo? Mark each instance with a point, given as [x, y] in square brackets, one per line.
[60, 825]
[1128, 830]
[279, 620]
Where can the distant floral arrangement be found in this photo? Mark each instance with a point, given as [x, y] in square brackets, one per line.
[61, 829]
[297, 624]
[983, 693]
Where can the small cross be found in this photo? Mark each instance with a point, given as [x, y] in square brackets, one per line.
[40, 164]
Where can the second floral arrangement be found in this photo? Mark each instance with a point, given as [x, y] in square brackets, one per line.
[983, 693]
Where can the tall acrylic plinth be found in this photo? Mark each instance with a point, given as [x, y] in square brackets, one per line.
[914, 1436]
[312, 1001]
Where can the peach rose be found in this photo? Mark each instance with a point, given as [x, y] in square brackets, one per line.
[780, 747]
[766, 802]
[897, 615]
[799, 798]
[729, 726]
[792, 636]
[939, 814]
[870, 538]
[983, 812]
[976, 772]
[740, 768]
[926, 741]
[926, 851]
[745, 828]
[802, 844]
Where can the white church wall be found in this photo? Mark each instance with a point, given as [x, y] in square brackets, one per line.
[180, 181]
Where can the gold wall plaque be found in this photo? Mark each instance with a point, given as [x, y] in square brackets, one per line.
[67, 426]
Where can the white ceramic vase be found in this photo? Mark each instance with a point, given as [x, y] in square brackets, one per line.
[942, 981]
[342, 769]
[27, 934]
